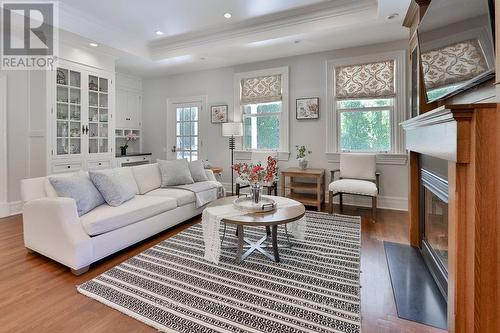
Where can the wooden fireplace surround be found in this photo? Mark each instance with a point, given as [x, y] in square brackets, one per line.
[468, 137]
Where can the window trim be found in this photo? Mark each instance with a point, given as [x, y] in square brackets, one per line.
[283, 151]
[397, 155]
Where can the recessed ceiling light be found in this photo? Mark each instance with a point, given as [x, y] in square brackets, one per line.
[94, 44]
[227, 15]
[159, 33]
[392, 16]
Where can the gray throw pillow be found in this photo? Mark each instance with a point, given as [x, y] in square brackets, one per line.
[197, 171]
[80, 188]
[175, 172]
[114, 188]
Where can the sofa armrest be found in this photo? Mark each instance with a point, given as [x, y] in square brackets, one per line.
[210, 175]
[52, 227]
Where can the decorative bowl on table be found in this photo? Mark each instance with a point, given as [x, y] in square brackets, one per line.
[247, 204]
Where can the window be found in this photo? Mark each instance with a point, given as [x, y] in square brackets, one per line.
[365, 125]
[262, 97]
[261, 126]
[364, 102]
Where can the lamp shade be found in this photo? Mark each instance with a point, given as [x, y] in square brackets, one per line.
[232, 129]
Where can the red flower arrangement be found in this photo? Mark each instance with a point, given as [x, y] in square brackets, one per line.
[256, 173]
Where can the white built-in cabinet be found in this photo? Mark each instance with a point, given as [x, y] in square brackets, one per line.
[81, 118]
[128, 113]
[128, 109]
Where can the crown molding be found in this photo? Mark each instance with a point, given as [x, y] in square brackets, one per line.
[268, 23]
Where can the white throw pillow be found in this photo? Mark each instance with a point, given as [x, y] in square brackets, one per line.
[127, 176]
[197, 171]
[175, 172]
[147, 177]
[80, 188]
[115, 189]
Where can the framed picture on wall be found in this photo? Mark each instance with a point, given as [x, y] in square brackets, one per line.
[219, 114]
[307, 108]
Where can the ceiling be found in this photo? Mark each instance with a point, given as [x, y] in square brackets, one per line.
[197, 36]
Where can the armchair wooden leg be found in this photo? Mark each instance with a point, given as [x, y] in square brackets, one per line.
[269, 190]
[341, 203]
[374, 208]
[275, 187]
[237, 189]
[330, 202]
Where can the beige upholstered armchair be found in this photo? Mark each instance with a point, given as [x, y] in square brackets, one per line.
[272, 188]
[358, 176]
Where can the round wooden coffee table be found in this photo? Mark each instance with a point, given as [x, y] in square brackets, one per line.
[270, 220]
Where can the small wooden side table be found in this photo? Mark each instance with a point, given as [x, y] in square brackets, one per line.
[217, 172]
[311, 193]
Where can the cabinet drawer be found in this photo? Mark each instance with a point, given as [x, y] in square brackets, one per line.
[61, 167]
[96, 165]
[133, 160]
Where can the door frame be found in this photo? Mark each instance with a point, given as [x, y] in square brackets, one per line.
[170, 118]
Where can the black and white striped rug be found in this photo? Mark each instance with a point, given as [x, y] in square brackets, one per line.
[315, 287]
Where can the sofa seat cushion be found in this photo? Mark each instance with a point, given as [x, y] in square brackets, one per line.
[354, 186]
[183, 197]
[106, 218]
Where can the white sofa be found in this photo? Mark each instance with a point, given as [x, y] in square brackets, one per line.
[53, 228]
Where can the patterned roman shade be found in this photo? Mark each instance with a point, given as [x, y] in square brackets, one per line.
[262, 89]
[373, 80]
[453, 64]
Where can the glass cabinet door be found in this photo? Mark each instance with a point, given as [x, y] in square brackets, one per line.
[98, 130]
[68, 112]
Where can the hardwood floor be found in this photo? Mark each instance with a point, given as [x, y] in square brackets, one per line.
[39, 295]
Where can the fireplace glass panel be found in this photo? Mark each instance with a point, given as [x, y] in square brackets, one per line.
[436, 226]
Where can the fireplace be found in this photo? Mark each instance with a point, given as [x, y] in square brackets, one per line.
[434, 219]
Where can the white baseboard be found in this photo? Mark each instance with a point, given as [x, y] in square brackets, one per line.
[4, 209]
[385, 202]
[10, 208]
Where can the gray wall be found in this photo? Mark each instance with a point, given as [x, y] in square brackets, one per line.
[307, 78]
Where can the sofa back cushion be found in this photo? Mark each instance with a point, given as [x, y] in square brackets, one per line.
[197, 171]
[175, 172]
[80, 188]
[114, 185]
[147, 177]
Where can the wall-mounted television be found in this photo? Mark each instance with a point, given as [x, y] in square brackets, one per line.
[456, 43]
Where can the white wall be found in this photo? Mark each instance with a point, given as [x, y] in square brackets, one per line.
[307, 79]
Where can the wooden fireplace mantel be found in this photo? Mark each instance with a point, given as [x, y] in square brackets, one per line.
[468, 137]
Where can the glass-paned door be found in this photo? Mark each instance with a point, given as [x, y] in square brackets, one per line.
[68, 112]
[98, 112]
[186, 143]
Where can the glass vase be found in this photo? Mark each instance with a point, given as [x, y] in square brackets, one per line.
[256, 190]
[303, 164]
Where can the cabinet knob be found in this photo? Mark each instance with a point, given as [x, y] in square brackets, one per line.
[69, 166]
[100, 163]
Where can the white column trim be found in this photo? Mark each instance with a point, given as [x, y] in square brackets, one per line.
[4, 205]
